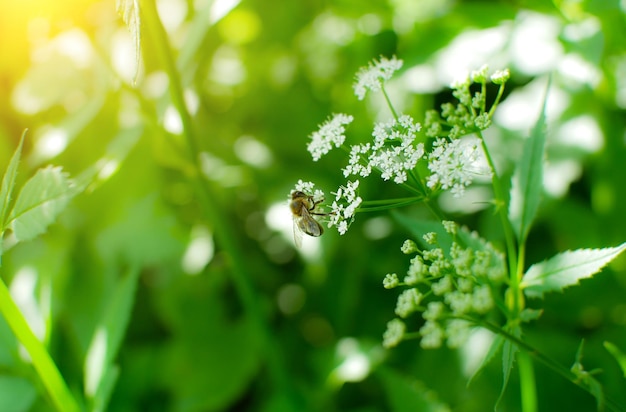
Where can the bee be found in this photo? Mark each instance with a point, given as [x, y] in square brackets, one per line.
[303, 208]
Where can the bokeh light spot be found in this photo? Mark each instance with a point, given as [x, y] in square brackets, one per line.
[291, 298]
[52, 142]
[253, 152]
[240, 27]
[199, 251]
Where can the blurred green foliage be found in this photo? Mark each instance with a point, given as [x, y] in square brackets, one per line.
[284, 333]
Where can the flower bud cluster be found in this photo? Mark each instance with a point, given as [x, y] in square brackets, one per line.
[470, 114]
[447, 286]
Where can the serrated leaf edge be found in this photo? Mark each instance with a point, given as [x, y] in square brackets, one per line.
[615, 251]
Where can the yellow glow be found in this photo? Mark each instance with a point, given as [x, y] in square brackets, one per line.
[240, 27]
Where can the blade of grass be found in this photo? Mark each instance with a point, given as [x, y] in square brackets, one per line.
[43, 363]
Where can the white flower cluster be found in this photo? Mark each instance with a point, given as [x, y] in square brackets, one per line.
[344, 206]
[331, 132]
[309, 189]
[373, 76]
[453, 165]
[458, 282]
[393, 151]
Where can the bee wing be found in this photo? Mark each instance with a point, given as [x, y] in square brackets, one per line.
[309, 225]
[297, 232]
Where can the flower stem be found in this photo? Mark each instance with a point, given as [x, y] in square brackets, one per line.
[549, 362]
[527, 382]
[43, 363]
[388, 100]
[501, 210]
[497, 101]
[390, 205]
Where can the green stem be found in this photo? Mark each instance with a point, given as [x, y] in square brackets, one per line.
[497, 101]
[392, 202]
[527, 382]
[549, 362]
[483, 90]
[43, 363]
[223, 232]
[388, 207]
[388, 100]
[501, 210]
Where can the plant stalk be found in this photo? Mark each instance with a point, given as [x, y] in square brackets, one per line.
[41, 360]
[223, 232]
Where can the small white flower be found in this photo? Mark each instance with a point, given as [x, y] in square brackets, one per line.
[393, 151]
[373, 76]
[342, 227]
[356, 164]
[394, 333]
[344, 207]
[331, 132]
[453, 165]
[305, 187]
[309, 189]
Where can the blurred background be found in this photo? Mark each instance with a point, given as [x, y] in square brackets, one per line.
[196, 277]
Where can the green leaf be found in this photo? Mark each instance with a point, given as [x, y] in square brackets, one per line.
[131, 15]
[566, 269]
[496, 345]
[619, 356]
[8, 183]
[528, 178]
[100, 371]
[586, 377]
[40, 201]
[529, 314]
[508, 358]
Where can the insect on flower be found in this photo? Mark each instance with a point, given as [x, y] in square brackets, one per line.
[303, 207]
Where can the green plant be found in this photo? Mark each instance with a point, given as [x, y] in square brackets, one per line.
[40, 200]
[456, 280]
